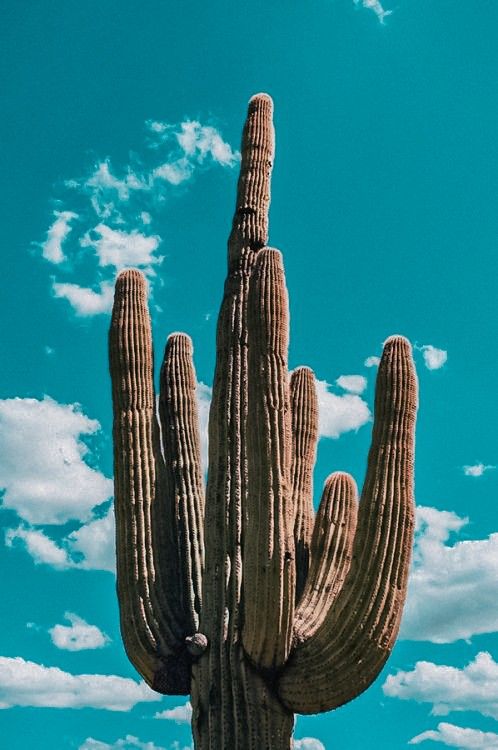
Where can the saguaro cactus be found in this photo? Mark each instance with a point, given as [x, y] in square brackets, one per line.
[243, 598]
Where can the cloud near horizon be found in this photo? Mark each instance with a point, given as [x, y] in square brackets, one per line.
[458, 737]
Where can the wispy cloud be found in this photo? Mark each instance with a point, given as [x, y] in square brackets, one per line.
[179, 714]
[128, 743]
[352, 383]
[452, 587]
[26, 683]
[372, 361]
[434, 358]
[448, 689]
[459, 737]
[477, 470]
[116, 209]
[339, 413]
[78, 635]
[375, 6]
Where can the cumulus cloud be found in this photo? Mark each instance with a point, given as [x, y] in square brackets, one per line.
[308, 743]
[339, 413]
[452, 587]
[477, 470]
[434, 358]
[56, 235]
[26, 683]
[372, 361]
[375, 6]
[473, 688]
[179, 714]
[91, 547]
[352, 383]
[78, 636]
[85, 301]
[463, 739]
[43, 472]
[110, 203]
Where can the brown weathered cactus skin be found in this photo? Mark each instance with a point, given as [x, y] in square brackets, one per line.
[245, 600]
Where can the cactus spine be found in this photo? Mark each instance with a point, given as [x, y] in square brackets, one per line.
[244, 599]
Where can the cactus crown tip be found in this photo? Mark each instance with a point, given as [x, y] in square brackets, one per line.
[261, 99]
[180, 338]
[399, 340]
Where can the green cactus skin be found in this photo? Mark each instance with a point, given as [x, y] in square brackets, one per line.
[239, 596]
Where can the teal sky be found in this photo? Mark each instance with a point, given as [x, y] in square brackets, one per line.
[120, 125]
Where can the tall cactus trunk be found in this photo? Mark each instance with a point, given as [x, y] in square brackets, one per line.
[244, 598]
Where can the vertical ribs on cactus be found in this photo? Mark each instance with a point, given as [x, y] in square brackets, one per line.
[238, 594]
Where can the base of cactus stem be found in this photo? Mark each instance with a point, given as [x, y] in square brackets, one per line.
[234, 707]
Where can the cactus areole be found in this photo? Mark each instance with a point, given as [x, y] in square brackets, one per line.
[238, 594]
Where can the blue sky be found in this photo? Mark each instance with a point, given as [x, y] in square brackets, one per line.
[120, 126]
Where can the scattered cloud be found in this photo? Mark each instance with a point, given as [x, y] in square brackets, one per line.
[372, 361]
[477, 470]
[463, 739]
[25, 683]
[434, 358]
[352, 383]
[41, 548]
[179, 714]
[375, 6]
[339, 413]
[56, 235]
[473, 688]
[308, 743]
[204, 394]
[44, 472]
[452, 588]
[116, 209]
[127, 743]
[78, 636]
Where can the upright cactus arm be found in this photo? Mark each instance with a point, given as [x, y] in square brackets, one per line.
[304, 416]
[269, 568]
[183, 473]
[331, 553]
[348, 650]
[153, 622]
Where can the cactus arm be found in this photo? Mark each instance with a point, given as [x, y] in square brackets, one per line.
[219, 678]
[304, 411]
[349, 649]
[183, 474]
[269, 569]
[151, 625]
[331, 552]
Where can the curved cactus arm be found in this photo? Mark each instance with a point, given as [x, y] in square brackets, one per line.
[349, 649]
[304, 414]
[226, 492]
[183, 473]
[331, 553]
[151, 625]
[269, 569]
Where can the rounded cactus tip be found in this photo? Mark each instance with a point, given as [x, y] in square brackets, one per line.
[260, 100]
[303, 370]
[397, 341]
[180, 340]
[341, 478]
[131, 278]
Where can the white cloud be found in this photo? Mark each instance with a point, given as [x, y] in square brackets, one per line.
[452, 589]
[122, 249]
[372, 361]
[477, 470]
[56, 235]
[434, 358]
[352, 383]
[78, 636]
[86, 301]
[473, 688]
[200, 141]
[179, 714]
[127, 743]
[174, 172]
[43, 471]
[25, 683]
[105, 189]
[339, 414]
[91, 547]
[308, 743]
[376, 6]
[204, 394]
[463, 739]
